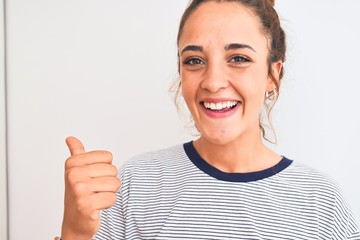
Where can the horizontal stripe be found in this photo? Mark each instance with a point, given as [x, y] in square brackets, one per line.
[172, 194]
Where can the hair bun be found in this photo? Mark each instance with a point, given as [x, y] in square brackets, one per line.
[272, 2]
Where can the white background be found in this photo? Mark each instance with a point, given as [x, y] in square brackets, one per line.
[101, 70]
[3, 177]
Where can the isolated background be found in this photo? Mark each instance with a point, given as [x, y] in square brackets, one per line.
[101, 70]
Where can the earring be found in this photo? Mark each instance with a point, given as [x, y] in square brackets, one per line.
[275, 93]
[271, 95]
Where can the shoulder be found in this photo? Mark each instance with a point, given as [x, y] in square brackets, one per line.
[311, 182]
[306, 175]
[156, 157]
[314, 186]
[151, 161]
[323, 191]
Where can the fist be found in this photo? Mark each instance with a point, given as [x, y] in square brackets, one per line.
[91, 184]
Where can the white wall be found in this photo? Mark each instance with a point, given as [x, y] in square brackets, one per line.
[100, 70]
[3, 173]
[319, 114]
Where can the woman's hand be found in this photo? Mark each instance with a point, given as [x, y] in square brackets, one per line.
[91, 184]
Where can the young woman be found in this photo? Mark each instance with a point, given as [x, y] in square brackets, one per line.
[226, 184]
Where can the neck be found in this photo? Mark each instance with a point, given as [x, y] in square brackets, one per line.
[239, 156]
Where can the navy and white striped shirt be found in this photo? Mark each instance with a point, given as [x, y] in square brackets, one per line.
[175, 194]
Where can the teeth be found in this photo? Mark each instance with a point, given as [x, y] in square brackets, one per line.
[220, 105]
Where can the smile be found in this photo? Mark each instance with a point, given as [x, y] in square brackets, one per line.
[220, 106]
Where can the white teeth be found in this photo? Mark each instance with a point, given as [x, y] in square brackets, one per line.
[220, 105]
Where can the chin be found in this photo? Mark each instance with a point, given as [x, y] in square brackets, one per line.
[218, 137]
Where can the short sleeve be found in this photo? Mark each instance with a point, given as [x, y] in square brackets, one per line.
[345, 226]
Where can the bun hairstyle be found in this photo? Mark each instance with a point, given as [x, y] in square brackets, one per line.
[272, 29]
[272, 2]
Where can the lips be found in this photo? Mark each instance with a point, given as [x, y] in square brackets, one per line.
[216, 108]
[219, 106]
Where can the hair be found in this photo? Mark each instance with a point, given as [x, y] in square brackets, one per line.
[272, 29]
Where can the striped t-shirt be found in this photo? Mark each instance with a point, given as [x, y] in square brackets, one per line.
[175, 194]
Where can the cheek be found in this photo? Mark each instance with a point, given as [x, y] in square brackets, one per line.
[252, 88]
[187, 90]
[189, 84]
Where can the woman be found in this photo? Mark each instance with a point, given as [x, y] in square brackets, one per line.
[227, 184]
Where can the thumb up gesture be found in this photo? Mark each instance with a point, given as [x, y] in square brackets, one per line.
[90, 186]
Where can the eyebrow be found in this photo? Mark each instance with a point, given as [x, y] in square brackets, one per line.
[192, 48]
[230, 46]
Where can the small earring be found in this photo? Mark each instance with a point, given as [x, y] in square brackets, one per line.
[275, 93]
[271, 95]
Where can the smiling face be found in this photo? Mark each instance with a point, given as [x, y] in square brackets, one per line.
[224, 70]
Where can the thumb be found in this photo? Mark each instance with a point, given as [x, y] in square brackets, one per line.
[75, 146]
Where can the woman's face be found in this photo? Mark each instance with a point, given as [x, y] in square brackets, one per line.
[223, 70]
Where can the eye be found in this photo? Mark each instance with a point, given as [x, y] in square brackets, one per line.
[238, 59]
[194, 61]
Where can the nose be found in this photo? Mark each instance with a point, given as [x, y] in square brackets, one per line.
[215, 78]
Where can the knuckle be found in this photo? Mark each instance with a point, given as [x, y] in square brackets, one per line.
[69, 162]
[114, 170]
[82, 204]
[104, 155]
[109, 200]
[117, 184]
[95, 215]
[112, 199]
[80, 189]
[107, 155]
[72, 175]
[110, 155]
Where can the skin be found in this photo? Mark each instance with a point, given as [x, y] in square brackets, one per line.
[210, 71]
[90, 185]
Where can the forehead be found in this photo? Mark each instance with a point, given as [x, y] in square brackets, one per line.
[223, 22]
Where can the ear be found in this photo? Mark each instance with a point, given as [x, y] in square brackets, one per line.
[275, 71]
